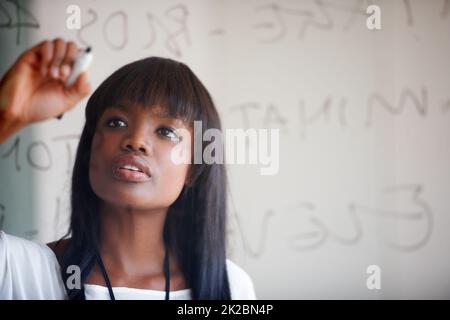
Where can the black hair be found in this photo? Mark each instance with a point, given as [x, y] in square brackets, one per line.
[195, 226]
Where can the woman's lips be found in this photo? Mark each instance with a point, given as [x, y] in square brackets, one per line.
[131, 168]
[128, 175]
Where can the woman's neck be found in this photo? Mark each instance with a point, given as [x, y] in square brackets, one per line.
[131, 241]
[132, 249]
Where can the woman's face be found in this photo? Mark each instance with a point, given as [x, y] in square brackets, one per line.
[131, 163]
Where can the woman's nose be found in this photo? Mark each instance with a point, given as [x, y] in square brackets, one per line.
[132, 147]
[137, 141]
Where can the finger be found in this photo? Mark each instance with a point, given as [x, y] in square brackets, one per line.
[79, 89]
[59, 51]
[39, 56]
[67, 63]
[82, 84]
[46, 53]
[71, 53]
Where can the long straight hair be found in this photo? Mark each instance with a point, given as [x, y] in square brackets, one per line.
[195, 226]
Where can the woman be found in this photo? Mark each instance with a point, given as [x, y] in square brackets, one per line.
[142, 225]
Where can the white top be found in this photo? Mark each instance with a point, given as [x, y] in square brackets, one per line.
[30, 270]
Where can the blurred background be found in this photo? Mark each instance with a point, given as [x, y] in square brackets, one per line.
[364, 120]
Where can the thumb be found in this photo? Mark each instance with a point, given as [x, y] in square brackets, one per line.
[79, 89]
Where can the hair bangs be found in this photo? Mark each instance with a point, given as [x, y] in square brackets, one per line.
[151, 82]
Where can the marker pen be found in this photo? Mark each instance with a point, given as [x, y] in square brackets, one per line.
[81, 63]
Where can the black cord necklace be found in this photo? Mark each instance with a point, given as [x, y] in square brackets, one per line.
[166, 275]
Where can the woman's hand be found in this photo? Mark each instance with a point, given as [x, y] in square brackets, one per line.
[33, 89]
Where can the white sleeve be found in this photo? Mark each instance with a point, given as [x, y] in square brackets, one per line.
[28, 270]
[241, 285]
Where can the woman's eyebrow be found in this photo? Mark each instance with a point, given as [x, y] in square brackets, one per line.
[162, 114]
[173, 121]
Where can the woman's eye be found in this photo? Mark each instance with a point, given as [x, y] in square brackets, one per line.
[115, 122]
[169, 133]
